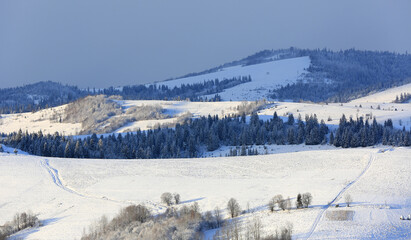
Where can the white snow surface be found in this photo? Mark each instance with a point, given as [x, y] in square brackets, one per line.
[70, 194]
[387, 96]
[265, 76]
[399, 113]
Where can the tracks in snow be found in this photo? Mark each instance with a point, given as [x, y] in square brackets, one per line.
[339, 195]
[57, 181]
[56, 178]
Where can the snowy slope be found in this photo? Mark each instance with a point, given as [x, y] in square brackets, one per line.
[387, 96]
[399, 113]
[46, 120]
[70, 194]
[43, 120]
[265, 77]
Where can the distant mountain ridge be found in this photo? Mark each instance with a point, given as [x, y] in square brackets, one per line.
[36, 96]
[284, 74]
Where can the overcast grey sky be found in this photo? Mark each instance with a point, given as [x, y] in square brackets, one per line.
[100, 43]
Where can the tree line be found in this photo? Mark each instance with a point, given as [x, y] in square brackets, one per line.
[191, 138]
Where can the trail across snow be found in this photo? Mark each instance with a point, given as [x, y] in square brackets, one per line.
[339, 195]
[54, 174]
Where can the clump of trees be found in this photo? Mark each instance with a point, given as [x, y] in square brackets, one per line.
[170, 199]
[136, 222]
[303, 200]
[404, 97]
[20, 221]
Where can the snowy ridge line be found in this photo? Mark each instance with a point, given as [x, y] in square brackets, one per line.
[339, 195]
[57, 181]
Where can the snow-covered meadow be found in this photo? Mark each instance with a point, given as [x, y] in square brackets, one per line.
[70, 194]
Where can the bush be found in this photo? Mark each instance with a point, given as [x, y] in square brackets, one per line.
[167, 198]
[233, 208]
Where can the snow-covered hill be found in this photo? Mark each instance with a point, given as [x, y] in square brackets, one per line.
[387, 96]
[69, 194]
[265, 77]
[46, 121]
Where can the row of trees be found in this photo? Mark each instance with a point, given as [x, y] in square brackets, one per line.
[193, 92]
[185, 140]
[404, 97]
[189, 139]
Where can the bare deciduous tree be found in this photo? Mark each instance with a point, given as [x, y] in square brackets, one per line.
[177, 198]
[348, 199]
[307, 199]
[218, 218]
[233, 208]
[271, 204]
[167, 198]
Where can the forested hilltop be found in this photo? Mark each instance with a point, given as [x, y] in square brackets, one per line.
[346, 75]
[33, 97]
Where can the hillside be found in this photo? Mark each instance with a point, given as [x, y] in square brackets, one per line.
[266, 77]
[36, 96]
[377, 181]
[387, 96]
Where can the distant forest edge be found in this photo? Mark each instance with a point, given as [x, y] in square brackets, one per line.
[198, 135]
[42, 95]
[338, 76]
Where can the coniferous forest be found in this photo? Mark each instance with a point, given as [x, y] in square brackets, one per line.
[208, 134]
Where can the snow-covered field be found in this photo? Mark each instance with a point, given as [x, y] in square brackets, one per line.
[69, 194]
[265, 76]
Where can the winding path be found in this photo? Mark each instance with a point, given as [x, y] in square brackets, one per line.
[339, 195]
